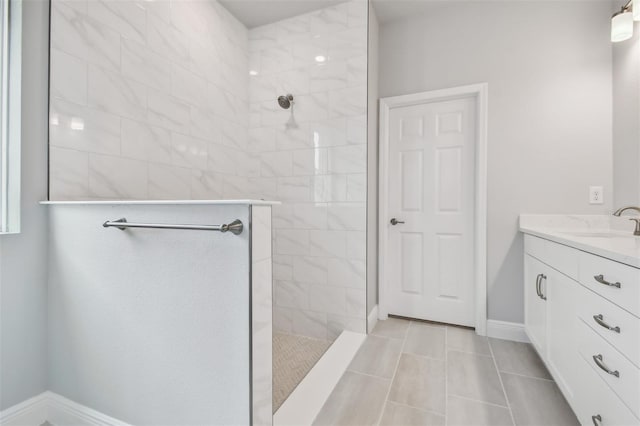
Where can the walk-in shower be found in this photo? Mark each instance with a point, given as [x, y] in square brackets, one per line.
[177, 100]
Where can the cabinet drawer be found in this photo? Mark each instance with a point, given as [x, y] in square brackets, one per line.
[624, 280]
[534, 246]
[563, 258]
[626, 381]
[596, 399]
[558, 256]
[626, 339]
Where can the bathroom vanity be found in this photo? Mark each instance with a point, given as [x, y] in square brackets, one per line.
[582, 311]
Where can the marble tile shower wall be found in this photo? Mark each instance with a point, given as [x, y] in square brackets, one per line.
[313, 159]
[149, 100]
[176, 99]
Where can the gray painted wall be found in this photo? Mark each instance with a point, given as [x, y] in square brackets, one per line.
[626, 120]
[23, 291]
[548, 65]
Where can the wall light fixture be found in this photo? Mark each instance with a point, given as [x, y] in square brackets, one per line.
[622, 21]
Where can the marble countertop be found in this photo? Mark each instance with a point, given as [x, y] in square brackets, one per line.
[605, 236]
[164, 202]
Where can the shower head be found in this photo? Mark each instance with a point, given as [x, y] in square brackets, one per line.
[285, 101]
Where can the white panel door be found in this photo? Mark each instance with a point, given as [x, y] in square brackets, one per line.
[430, 261]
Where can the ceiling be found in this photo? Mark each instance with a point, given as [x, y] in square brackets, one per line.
[391, 10]
[254, 13]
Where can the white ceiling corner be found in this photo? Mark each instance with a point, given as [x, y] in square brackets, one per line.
[254, 13]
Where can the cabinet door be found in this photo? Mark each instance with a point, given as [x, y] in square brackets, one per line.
[562, 316]
[535, 275]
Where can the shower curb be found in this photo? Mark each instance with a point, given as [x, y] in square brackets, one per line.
[306, 401]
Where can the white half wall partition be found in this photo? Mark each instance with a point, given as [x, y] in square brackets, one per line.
[162, 326]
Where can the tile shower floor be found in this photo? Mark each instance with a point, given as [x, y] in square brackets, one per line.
[293, 357]
[417, 373]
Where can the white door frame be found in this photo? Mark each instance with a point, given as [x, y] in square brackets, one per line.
[480, 93]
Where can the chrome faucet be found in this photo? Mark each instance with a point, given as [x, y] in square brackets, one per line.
[637, 220]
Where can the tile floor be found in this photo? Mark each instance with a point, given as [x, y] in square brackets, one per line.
[416, 373]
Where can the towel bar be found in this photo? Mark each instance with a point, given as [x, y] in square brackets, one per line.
[234, 227]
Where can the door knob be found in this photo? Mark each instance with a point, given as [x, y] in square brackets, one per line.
[395, 221]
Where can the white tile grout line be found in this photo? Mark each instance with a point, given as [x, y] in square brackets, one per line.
[373, 376]
[495, 364]
[478, 401]
[415, 408]
[480, 355]
[393, 377]
[526, 376]
[443, 359]
[462, 351]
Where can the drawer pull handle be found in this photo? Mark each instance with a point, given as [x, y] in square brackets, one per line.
[597, 420]
[600, 320]
[539, 286]
[598, 360]
[601, 280]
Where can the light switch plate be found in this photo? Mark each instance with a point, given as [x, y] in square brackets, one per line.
[596, 195]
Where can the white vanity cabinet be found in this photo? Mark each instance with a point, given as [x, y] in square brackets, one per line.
[561, 340]
[582, 314]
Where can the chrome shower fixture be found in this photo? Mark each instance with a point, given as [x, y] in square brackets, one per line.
[285, 101]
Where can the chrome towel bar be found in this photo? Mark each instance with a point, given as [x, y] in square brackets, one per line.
[234, 227]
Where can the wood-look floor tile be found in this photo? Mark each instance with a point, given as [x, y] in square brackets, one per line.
[392, 327]
[537, 401]
[356, 400]
[377, 356]
[465, 412]
[466, 340]
[396, 415]
[420, 382]
[518, 358]
[475, 377]
[426, 340]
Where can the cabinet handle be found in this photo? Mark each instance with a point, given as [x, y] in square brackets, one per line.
[538, 277]
[542, 277]
[597, 420]
[601, 280]
[600, 320]
[598, 360]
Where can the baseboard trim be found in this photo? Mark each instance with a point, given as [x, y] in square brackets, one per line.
[507, 331]
[57, 410]
[32, 412]
[65, 412]
[372, 319]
